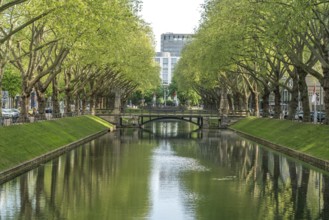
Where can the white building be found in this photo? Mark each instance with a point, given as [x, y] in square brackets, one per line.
[171, 47]
[167, 65]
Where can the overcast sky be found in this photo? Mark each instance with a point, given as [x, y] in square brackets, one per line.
[177, 16]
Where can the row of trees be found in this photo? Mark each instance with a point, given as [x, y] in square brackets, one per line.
[79, 51]
[245, 50]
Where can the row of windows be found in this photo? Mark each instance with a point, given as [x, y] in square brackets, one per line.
[165, 60]
[166, 65]
[176, 37]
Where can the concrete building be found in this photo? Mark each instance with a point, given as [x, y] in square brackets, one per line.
[174, 43]
[171, 47]
[167, 64]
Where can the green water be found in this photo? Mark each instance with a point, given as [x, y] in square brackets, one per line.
[168, 172]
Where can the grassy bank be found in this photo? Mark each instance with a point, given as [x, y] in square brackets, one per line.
[24, 142]
[304, 137]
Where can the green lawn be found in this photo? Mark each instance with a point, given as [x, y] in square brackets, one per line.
[305, 137]
[20, 143]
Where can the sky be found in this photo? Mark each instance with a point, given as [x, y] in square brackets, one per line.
[176, 16]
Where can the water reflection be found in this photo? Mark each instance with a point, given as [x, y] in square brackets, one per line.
[171, 129]
[167, 173]
[167, 194]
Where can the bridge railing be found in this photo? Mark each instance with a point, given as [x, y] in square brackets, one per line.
[168, 111]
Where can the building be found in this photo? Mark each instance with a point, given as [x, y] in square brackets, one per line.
[167, 64]
[171, 47]
[174, 43]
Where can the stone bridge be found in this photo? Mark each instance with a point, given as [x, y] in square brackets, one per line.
[140, 117]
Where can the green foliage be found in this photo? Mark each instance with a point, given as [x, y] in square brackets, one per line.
[100, 35]
[11, 82]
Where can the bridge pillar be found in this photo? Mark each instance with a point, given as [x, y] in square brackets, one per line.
[140, 121]
[116, 117]
[200, 122]
[205, 122]
[224, 122]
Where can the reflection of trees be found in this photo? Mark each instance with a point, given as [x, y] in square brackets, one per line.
[293, 180]
[112, 174]
[325, 210]
[269, 177]
[170, 130]
[89, 182]
[26, 205]
[301, 209]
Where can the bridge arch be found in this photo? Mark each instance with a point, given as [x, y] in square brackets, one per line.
[198, 120]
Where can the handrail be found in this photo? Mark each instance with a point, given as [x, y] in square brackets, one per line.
[10, 121]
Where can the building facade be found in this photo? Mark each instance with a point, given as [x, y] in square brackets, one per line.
[167, 64]
[171, 47]
[174, 43]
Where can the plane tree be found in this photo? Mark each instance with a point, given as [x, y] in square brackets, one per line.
[116, 60]
[218, 43]
[13, 20]
[272, 41]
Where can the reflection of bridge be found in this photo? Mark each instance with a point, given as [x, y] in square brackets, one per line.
[139, 117]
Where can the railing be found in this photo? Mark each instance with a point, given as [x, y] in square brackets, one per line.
[9, 121]
[169, 111]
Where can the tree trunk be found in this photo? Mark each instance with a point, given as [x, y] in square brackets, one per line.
[25, 97]
[83, 105]
[40, 92]
[230, 103]
[277, 102]
[1, 76]
[41, 103]
[254, 103]
[77, 105]
[111, 100]
[68, 92]
[303, 91]
[54, 99]
[293, 104]
[236, 101]
[24, 107]
[224, 102]
[117, 101]
[68, 101]
[325, 84]
[92, 104]
[266, 102]
[245, 103]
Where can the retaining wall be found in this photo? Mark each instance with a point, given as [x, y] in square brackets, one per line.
[319, 163]
[29, 165]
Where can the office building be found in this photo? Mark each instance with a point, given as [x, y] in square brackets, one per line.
[167, 64]
[171, 47]
[174, 43]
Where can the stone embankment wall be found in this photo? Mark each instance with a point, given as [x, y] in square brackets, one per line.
[316, 162]
[28, 165]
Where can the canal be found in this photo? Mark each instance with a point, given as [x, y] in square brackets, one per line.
[168, 171]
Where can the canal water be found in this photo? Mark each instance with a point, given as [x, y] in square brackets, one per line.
[168, 171]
